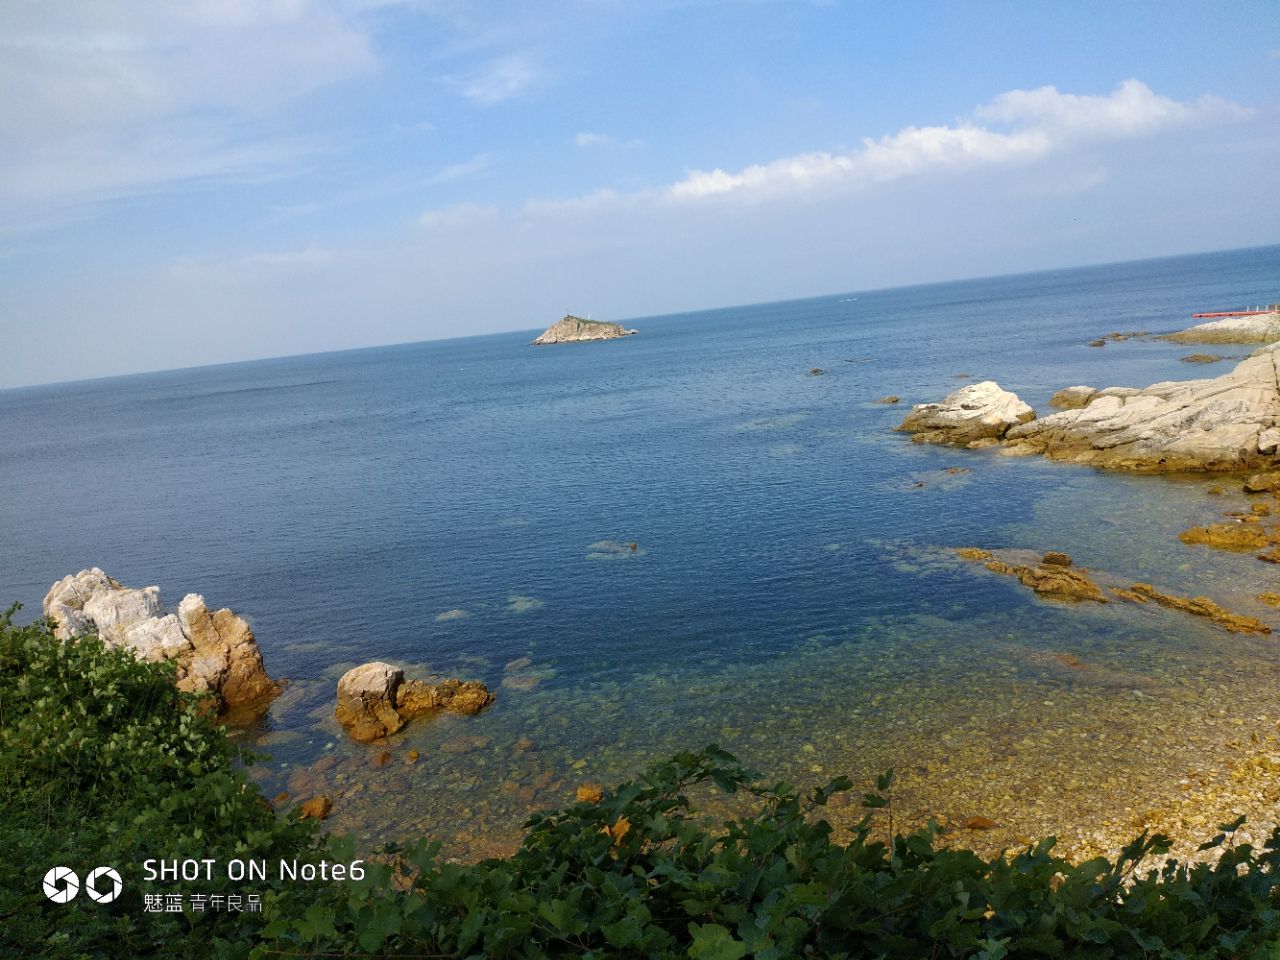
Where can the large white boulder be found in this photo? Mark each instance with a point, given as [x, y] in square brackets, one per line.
[971, 415]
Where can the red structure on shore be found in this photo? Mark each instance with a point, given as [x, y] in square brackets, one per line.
[1275, 307]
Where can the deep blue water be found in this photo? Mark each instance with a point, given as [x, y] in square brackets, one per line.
[342, 501]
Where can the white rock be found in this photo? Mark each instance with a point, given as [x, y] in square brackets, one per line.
[1254, 328]
[973, 413]
[116, 609]
[155, 638]
[1224, 423]
[214, 652]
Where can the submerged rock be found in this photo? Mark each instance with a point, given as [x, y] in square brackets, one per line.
[1202, 607]
[1231, 536]
[1225, 423]
[1262, 483]
[589, 793]
[1068, 583]
[573, 329]
[1048, 578]
[374, 699]
[215, 653]
[317, 808]
[1252, 328]
[974, 413]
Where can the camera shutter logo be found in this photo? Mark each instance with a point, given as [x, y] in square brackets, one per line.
[61, 884]
[108, 889]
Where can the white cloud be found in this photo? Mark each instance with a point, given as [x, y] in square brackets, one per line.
[1041, 122]
[501, 79]
[603, 140]
[459, 171]
[460, 215]
[99, 100]
[1132, 109]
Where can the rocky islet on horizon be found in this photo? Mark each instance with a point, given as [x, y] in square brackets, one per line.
[571, 329]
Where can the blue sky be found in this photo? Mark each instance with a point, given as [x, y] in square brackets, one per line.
[218, 180]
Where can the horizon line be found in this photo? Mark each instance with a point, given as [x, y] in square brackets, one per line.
[626, 320]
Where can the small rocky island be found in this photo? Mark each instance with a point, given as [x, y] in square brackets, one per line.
[573, 329]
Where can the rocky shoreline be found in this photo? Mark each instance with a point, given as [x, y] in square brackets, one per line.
[1223, 424]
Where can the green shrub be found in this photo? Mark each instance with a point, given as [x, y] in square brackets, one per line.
[104, 763]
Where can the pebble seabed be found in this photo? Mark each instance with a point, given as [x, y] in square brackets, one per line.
[1005, 724]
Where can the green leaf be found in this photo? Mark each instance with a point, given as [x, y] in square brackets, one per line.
[714, 942]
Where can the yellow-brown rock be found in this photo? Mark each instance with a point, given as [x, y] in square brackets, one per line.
[1262, 483]
[1202, 607]
[1068, 583]
[415, 698]
[1047, 579]
[590, 793]
[1231, 536]
[366, 701]
[317, 808]
[374, 699]
[224, 639]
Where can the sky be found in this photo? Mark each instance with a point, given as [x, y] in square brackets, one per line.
[216, 180]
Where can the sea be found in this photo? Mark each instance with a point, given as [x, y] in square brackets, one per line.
[709, 532]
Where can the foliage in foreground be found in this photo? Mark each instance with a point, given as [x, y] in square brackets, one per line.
[104, 763]
[636, 876]
[101, 760]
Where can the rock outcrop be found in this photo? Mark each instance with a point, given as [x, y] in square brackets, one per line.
[375, 700]
[1251, 328]
[573, 329]
[975, 415]
[1231, 422]
[215, 652]
[1072, 398]
[1049, 577]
